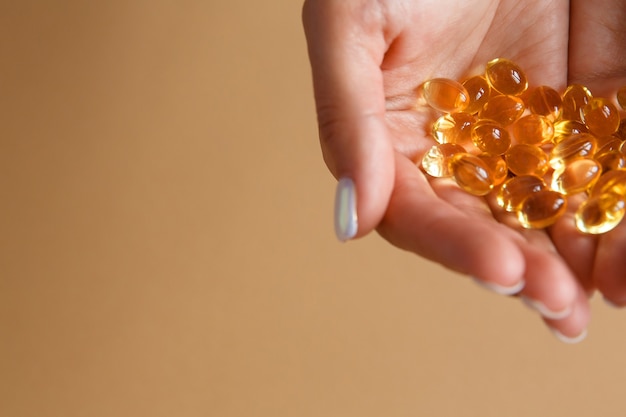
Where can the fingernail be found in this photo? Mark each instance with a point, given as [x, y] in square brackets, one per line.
[570, 340]
[346, 224]
[501, 289]
[545, 311]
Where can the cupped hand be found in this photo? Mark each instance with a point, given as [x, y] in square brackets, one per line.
[368, 57]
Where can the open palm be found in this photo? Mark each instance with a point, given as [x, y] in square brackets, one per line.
[368, 57]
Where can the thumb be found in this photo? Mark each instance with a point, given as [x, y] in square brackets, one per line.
[345, 55]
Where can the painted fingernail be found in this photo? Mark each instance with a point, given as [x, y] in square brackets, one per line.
[570, 340]
[346, 223]
[545, 311]
[501, 289]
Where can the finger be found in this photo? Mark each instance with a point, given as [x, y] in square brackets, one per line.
[610, 264]
[346, 47]
[573, 328]
[461, 236]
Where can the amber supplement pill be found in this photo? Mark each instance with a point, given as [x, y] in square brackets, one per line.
[445, 95]
[479, 91]
[514, 191]
[612, 181]
[575, 146]
[454, 128]
[523, 159]
[576, 176]
[490, 137]
[610, 160]
[497, 166]
[471, 173]
[542, 209]
[533, 129]
[502, 109]
[600, 116]
[575, 97]
[506, 77]
[566, 128]
[436, 162]
[600, 214]
[545, 101]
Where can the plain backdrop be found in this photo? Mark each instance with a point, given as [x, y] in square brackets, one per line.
[166, 243]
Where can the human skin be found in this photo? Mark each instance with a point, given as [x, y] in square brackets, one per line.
[369, 56]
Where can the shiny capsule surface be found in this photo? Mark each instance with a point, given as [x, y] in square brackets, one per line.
[566, 128]
[454, 128]
[524, 159]
[506, 77]
[479, 91]
[504, 110]
[621, 97]
[445, 95]
[600, 116]
[576, 176]
[575, 97]
[533, 129]
[436, 162]
[545, 101]
[514, 191]
[491, 137]
[575, 146]
[600, 214]
[542, 209]
[471, 174]
[497, 166]
[612, 181]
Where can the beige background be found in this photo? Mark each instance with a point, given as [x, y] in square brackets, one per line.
[166, 244]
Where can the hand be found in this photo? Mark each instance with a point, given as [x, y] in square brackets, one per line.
[367, 58]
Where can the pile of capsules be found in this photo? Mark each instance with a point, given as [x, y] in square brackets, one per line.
[533, 147]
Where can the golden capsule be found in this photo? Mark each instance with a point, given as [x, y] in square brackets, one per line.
[471, 174]
[533, 129]
[608, 143]
[524, 159]
[506, 77]
[600, 214]
[600, 116]
[610, 160]
[479, 91]
[454, 128]
[621, 97]
[436, 162]
[545, 101]
[566, 128]
[502, 109]
[576, 176]
[497, 166]
[621, 130]
[612, 181]
[490, 137]
[541, 209]
[445, 95]
[575, 97]
[575, 146]
[514, 191]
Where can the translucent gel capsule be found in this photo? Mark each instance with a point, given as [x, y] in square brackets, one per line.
[454, 128]
[545, 101]
[566, 128]
[523, 159]
[502, 109]
[506, 77]
[479, 91]
[621, 130]
[580, 145]
[608, 143]
[621, 97]
[610, 160]
[576, 176]
[514, 191]
[612, 181]
[436, 162]
[600, 116]
[541, 209]
[445, 95]
[574, 98]
[471, 174]
[600, 214]
[533, 129]
[497, 166]
[490, 137]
